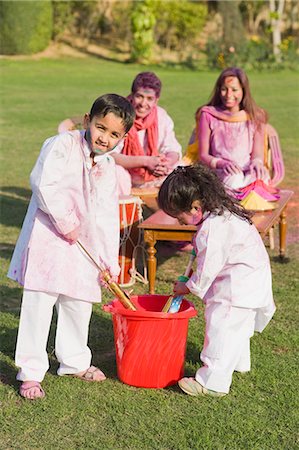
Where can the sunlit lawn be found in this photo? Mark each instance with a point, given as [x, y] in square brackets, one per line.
[261, 410]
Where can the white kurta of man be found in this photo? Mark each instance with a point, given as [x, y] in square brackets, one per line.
[68, 192]
[166, 137]
[166, 143]
[233, 267]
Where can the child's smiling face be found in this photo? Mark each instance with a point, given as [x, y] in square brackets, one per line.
[103, 133]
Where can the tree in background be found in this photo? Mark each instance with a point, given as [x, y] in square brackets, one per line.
[62, 17]
[233, 34]
[258, 34]
[276, 10]
[179, 23]
[26, 27]
[142, 27]
[268, 39]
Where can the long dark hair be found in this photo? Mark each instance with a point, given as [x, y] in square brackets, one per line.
[198, 182]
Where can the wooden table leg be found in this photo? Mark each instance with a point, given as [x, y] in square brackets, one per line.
[282, 233]
[152, 260]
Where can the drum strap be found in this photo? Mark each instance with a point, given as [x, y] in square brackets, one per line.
[133, 271]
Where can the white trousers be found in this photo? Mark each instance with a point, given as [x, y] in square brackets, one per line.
[226, 346]
[71, 347]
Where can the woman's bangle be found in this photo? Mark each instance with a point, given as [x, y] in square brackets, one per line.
[213, 162]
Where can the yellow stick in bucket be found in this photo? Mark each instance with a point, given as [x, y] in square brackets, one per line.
[167, 304]
[112, 285]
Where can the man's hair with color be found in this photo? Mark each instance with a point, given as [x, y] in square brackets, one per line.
[147, 80]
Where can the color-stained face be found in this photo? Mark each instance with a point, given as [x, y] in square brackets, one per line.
[231, 94]
[144, 101]
[193, 217]
[103, 133]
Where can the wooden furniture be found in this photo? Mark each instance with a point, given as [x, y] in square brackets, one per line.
[70, 124]
[274, 160]
[161, 227]
[148, 197]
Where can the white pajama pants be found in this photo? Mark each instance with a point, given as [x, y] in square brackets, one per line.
[71, 347]
[226, 346]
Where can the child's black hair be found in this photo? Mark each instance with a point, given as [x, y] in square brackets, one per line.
[116, 104]
[198, 182]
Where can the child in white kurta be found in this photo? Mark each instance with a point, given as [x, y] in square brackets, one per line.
[232, 277]
[74, 197]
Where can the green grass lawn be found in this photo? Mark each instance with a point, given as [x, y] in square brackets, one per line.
[261, 411]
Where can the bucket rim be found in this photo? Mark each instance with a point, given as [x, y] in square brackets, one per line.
[114, 307]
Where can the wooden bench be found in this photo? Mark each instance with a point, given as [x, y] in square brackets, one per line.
[161, 227]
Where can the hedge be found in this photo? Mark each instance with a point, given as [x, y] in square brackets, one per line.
[26, 26]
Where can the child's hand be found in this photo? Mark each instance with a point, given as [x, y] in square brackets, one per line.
[114, 278]
[180, 288]
[72, 236]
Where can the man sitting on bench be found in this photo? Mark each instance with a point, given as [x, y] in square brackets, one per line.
[150, 151]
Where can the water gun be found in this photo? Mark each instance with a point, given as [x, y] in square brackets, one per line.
[123, 297]
[173, 304]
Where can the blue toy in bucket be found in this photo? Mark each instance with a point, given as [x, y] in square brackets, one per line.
[173, 304]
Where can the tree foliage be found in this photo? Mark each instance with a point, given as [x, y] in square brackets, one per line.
[179, 23]
[62, 16]
[142, 26]
[26, 27]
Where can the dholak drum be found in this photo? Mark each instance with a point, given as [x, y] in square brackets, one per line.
[130, 215]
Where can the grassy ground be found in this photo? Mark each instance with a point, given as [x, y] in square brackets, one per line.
[261, 410]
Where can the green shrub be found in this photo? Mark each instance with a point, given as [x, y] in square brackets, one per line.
[62, 16]
[142, 26]
[26, 26]
[255, 53]
[179, 23]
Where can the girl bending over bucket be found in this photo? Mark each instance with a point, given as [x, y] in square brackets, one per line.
[233, 275]
[74, 199]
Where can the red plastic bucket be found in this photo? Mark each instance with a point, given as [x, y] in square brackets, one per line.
[150, 345]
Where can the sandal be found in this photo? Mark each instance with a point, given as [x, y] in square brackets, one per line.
[191, 387]
[31, 390]
[91, 374]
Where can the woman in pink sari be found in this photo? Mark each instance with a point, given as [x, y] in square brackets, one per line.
[231, 131]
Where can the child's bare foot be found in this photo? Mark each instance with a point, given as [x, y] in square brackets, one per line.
[31, 390]
[91, 374]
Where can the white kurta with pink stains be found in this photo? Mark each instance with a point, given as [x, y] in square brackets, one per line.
[233, 267]
[68, 192]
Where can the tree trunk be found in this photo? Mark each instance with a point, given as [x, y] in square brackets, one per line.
[276, 15]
